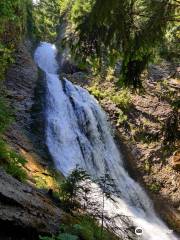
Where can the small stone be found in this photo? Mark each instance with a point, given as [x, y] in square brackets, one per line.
[176, 160]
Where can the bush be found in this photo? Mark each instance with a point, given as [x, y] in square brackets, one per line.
[122, 98]
[97, 93]
[122, 118]
[81, 227]
[12, 162]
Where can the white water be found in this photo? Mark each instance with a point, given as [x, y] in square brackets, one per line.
[77, 132]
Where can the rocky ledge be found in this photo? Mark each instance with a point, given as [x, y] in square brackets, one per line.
[25, 210]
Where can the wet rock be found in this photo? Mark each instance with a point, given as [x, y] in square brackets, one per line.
[68, 67]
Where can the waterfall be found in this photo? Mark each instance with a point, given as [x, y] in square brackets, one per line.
[77, 132]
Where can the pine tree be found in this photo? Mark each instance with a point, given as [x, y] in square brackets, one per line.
[47, 19]
[130, 29]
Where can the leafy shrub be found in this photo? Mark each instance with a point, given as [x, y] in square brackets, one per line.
[97, 93]
[81, 227]
[121, 117]
[154, 187]
[62, 236]
[122, 98]
[12, 162]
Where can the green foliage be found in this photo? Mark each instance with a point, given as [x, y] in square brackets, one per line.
[80, 8]
[82, 227]
[12, 162]
[129, 28]
[122, 98]
[47, 19]
[154, 187]
[5, 59]
[62, 236]
[14, 16]
[70, 187]
[99, 94]
[121, 117]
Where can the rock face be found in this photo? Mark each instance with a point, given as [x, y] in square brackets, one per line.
[24, 211]
[24, 208]
[21, 81]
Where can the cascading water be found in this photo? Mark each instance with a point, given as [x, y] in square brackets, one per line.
[77, 133]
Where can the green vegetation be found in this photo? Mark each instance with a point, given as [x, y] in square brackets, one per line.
[78, 224]
[81, 227]
[12, 162]
[130, 31]
[47, 19]
[121, 98]
[103, 36]
[154, 187]
[15, 17]
[70, 187]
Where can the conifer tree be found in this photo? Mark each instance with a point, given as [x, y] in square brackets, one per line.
[126, 29]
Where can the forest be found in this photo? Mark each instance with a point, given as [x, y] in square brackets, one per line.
[89, 119]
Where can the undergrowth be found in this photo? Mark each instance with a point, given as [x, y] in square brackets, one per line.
[81, 227]
[12, 162]
[121, 98]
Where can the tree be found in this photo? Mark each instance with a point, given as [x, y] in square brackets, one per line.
[108, 189]
[128, 30]
[70, 188]
[47, 19]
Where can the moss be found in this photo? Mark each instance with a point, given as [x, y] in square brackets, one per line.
[12, 162]
[154, 187]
